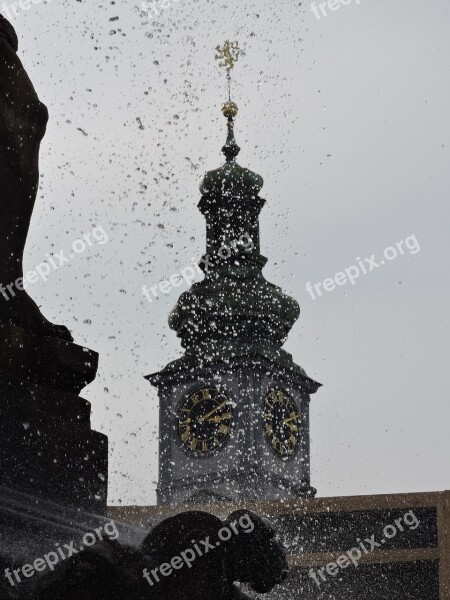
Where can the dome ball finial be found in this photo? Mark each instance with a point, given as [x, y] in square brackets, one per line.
[230, 110]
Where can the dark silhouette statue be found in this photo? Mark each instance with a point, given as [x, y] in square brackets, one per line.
[110, 571]
[23, 120]
[42, 371]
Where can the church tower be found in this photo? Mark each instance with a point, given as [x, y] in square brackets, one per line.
[234, 409]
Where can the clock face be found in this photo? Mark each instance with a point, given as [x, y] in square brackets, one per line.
[205, 420]
[281, 423]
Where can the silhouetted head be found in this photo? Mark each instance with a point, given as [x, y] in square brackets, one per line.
[248, 553]
[255, 557]
[8, 33]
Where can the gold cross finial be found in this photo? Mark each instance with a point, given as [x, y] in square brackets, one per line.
[228, 54]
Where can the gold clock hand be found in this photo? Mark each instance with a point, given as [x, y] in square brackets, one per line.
[201, 419]
[217, 419]
[286, 421]
[292, 427]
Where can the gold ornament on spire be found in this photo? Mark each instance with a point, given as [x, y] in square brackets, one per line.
[228, 55]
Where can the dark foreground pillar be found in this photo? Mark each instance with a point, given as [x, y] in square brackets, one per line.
[47, 447]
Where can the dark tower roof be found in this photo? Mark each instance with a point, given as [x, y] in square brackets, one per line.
[234, 312]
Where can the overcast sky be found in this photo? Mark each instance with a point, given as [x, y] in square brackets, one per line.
[347, 120]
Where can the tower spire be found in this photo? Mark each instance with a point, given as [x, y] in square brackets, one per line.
[234, 311]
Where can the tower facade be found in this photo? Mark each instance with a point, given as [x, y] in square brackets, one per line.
[234, 409]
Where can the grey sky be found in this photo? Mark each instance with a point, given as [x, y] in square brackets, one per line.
[347, 120]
